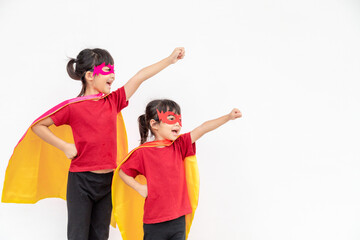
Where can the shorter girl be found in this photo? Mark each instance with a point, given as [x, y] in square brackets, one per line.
[168, 192]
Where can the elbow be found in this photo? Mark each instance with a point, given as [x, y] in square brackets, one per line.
[122, 175]
[38, 127]
[35, 127]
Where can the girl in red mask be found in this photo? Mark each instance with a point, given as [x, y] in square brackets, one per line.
[170, 198]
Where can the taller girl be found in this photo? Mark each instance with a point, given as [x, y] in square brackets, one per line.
[93, 120]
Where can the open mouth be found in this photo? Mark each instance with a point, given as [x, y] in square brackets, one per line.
[109, 81]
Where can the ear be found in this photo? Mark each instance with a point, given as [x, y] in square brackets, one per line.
[154, 125]
[89, 76]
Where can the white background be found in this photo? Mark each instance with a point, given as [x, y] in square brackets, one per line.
[288, 170]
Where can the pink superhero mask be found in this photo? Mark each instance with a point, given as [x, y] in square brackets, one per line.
[164, 117]
[98, 69]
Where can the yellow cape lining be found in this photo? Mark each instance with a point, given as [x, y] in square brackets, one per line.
[37, 170]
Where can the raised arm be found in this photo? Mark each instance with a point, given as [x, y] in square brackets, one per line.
[42, 130]
[213, 124]
[140, 188]
[133, 84]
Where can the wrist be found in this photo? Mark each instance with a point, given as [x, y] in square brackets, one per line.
[168, 60]
[63, 146]
[137, 186]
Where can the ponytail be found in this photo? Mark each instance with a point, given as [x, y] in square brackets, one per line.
[76, 75]
[143, 128]
[71, 70]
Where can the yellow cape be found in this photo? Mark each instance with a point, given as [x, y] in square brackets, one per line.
[128, 205]
[37, 170]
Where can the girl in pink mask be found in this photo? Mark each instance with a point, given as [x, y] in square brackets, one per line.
[172, 185]
[99, 140]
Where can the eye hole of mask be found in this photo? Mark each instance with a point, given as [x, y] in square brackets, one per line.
[169, 117]
[99, 69]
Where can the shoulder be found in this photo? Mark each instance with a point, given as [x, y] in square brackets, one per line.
[75, 102]
[183, 138]
[146, 150]
[138, 152]
[118, 97]
[185, 144]
[118, 92]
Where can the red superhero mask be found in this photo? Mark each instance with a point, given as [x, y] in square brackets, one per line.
[164, 117]
[98, 69]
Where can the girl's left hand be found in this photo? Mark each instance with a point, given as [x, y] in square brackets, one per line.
[143, 190]
[177, 54]
[235, 113]
[70, 151]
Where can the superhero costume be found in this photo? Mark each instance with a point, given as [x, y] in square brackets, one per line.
[128, 204]
[38, 170]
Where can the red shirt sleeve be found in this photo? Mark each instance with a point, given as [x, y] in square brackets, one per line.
[187, 148]
[119, 98]
[134, 165]
[61, 117]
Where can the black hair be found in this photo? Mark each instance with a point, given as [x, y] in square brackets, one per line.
[163, 105]
[85, 61]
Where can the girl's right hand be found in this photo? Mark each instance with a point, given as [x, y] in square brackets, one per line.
[235, 113]
[70, 150]
[143, 190]
[177, 54]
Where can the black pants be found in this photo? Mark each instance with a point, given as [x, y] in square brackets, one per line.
[89, 205]
[170, 230]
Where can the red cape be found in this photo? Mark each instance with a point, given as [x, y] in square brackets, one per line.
[37, 170]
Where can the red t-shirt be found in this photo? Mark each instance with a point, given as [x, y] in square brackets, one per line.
[165, 174]
[93, 124]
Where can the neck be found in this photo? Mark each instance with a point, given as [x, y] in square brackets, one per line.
[161, 139]
[91, 91]
[158, 138]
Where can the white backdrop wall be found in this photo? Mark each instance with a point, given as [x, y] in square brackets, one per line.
[288, 170]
